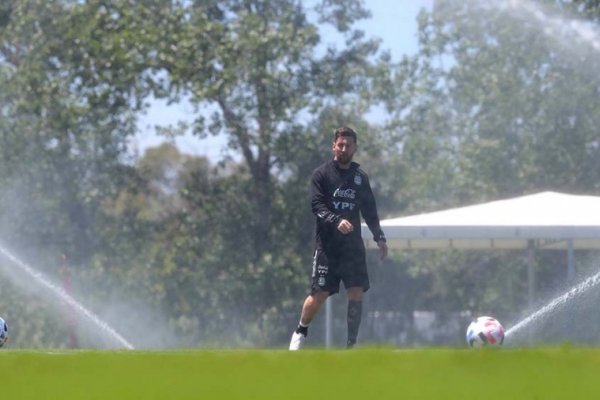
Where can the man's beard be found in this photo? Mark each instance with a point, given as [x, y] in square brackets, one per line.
[344, 158]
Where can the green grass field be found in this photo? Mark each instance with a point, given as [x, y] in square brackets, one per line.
[375, 373]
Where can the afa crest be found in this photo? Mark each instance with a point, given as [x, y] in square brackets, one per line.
[357, 179]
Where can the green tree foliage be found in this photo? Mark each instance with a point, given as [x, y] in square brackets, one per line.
[522, 92]
[257, 64]
[72, 79]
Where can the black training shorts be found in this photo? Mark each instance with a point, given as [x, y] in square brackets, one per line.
[346, 263]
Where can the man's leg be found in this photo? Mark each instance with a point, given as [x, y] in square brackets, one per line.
[311, 307]
[355, 297]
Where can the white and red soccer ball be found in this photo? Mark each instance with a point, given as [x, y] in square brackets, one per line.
[485, 331]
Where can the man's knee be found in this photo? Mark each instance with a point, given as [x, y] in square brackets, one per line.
[355, 293]
[319, 297]
[315, 300]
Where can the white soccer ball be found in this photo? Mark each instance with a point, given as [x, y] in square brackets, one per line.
[3, 332]
[485, 331]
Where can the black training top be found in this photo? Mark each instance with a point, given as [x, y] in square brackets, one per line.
[337, 194]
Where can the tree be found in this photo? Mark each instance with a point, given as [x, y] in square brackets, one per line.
[72, 81]
[257, 63]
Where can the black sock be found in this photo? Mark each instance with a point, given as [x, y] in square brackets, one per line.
[302, 330]
[354, 316]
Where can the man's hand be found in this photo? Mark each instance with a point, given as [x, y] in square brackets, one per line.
[383, 249]
[345, 226]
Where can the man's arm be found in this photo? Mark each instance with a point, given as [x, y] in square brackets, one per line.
[369, 212]
[319, 200]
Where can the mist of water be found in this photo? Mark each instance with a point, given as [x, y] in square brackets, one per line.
[59, 293]
[554, 26]
[555, 304]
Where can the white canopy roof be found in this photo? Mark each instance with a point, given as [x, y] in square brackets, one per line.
[548, 219]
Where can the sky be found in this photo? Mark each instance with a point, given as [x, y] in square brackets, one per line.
[393, 21]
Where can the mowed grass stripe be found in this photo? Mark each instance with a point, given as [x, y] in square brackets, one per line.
[550, 373]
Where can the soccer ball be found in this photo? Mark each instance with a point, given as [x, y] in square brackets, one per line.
[485, 331]
[3, 332]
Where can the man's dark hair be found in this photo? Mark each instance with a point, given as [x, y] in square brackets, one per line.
[344, 131]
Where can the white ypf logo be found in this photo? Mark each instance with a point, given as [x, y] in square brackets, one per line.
[343, 205]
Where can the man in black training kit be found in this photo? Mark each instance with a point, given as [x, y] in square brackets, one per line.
[340, 192]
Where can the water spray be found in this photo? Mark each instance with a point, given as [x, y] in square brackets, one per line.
[557, 302]
[59, 292]
[555, 26]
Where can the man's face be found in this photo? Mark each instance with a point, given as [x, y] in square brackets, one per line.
[343, 149]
